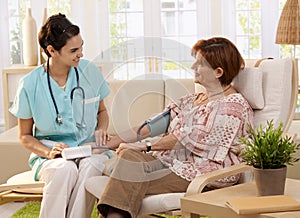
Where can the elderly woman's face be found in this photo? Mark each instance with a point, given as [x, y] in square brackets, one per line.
[203, 72]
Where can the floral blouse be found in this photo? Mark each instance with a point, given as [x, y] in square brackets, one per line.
[209, 135]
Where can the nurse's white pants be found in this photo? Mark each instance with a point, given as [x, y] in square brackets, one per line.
[64, 194]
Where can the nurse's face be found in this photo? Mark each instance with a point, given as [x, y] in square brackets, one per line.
[71, 53]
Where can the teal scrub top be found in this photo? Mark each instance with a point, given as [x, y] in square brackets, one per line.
[33, 100]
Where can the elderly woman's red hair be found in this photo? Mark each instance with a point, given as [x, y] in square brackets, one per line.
[220, 52]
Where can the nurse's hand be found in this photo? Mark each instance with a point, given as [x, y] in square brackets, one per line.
[135, 146]
[94, 151]
[101, 137]
[57, 149]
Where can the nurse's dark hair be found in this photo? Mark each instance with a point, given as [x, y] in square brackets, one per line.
[56, 31]
[220, 52]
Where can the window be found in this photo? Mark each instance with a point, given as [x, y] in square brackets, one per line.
[16, 15]
[248, 28]
[170, 37]
[126, 19]
[179, 24]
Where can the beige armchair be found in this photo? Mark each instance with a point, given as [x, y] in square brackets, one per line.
[271, 88]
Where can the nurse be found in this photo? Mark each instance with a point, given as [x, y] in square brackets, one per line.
[60, 104]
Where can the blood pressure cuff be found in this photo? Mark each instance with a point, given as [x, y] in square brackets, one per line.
[159, 124]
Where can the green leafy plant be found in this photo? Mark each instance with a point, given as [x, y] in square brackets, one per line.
[266, 147]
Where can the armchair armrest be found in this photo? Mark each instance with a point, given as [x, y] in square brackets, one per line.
[198, 184]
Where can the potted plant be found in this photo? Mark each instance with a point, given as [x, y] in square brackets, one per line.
[269, 152]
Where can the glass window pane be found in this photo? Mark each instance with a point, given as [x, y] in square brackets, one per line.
[255, 46]
[286, 51]
[168, 4]
[242, 4]
[16, 15]
[178, 48]
[254, 22]
[55, 7]
[175, 53]
[171, 69]
[282, 3]
[184, 4]
[135, 24]
[176, 70]
[117, 6]
[129, 70]
[179, 29]
[118, 24]
[297, 53]
[243, 45]
[125, 22]
[134, 5]
[118, 49]
[248, 28]
[169, 24]
[190, 18]
[171, 53]
[15, 52]
[188, 41]
[254, 4]
[242, 23]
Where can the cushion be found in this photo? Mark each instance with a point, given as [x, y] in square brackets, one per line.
[23, 178]
[249, 83]
[277, 88]
[151, 204]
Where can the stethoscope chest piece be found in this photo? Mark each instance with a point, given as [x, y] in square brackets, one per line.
[59, 119]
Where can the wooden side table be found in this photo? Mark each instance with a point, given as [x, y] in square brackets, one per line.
[212, 203]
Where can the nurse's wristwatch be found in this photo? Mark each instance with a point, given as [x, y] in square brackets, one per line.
[148, 145]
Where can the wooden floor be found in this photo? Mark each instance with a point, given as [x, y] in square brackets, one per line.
[7, 210]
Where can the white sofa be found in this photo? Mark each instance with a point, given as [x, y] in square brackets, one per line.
[129, 104]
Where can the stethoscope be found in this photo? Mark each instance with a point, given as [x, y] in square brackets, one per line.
[59, 118]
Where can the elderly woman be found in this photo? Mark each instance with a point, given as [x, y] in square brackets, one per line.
[203, 136]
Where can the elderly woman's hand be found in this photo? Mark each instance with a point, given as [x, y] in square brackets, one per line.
[135, 146]
[101, 137]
